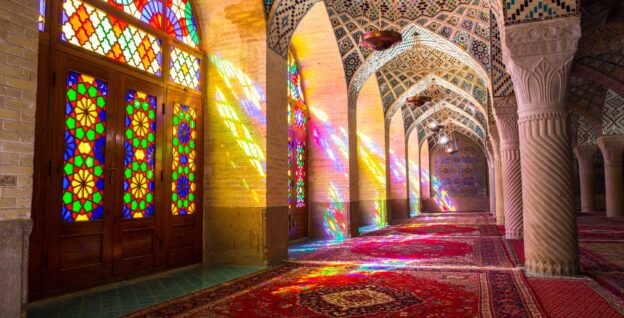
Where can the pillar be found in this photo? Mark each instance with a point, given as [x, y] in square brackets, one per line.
[539, 56]
[498, 177]
[611, 148]
[492, 185]
[585, 156]
[506, 111]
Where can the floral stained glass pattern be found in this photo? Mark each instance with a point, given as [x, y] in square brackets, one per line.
[300, 173]
[148, 11]
[85, 140]
[181, 23]
[185, 68]
[290, 180]
[140, 148]
[42, 14]
[294, 79]
[183, 184]
[105, 34]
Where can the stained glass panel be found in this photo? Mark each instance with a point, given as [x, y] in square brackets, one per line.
[290, 174]
[294, 79]
[102, 33]
[185, 68]
[183, 184]
[180, 22]
[42, 14]
[140, 148]
[85, 141]
[300, 173]
[148, 11]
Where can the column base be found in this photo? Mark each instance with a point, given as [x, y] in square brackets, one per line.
[587, 209]
[513, 234]
[547, 268]
[500, 220]
[615, 214]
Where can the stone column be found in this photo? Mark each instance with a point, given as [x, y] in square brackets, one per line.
[611, 148]
[506, 111]
[585, 157]
[492, 182]
[538, 56]
[498, 177]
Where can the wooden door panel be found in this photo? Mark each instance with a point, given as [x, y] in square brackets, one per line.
[138, 206]
[79, 248]
[183, 215]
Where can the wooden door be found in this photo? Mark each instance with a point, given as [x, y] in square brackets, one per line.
[182, 171]
[138, 177]
[78, 222]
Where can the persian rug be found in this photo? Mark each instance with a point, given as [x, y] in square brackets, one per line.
[415, 251]
[563, 298]
[455, 219]
[515, 249]
[431, 229]
[601, 232]
[613, 282]
[598, 220]
[602, 256]
[337, 291]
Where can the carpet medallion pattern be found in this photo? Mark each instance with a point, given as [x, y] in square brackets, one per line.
[340, 291]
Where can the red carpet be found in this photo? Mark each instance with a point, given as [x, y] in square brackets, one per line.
[438, 230]
[568, 298]
[442, 265]
[411, 250]
[305, 291]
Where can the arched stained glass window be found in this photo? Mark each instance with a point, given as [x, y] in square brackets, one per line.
[181, 23]
[148, 11]
[297, 123]
[94, 29]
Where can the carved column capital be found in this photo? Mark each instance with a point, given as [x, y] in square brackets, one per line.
[538, 56]
[611, 147]
[585, 154]
[506, 111]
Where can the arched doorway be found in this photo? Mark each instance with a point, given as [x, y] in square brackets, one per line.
[119, 130]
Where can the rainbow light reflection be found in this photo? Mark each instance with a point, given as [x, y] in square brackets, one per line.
[440, 195]
[373, 156]
[414, 189]
[335, 218]
[242, 125]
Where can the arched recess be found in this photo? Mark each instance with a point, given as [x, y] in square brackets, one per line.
[371, 159]
[398, 206]
[245, 188]
[462, 175]
[331, 184]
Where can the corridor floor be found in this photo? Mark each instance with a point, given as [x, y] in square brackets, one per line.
[446, 264]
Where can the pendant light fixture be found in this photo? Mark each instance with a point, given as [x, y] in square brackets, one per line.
[451, 148]
[380, 39]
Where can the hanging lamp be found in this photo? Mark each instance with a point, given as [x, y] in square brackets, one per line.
[381, 40]
[452, 147]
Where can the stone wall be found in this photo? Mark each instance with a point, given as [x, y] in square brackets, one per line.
[18, 89]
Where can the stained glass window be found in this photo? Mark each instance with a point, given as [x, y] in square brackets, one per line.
[140, 148]
[148, 11]
[184, 68]
[102, 33]
[294, 79]
[297, 126]
[180, 22]
[300, 173]
[183, 184]
[85, 140]
[42, 14]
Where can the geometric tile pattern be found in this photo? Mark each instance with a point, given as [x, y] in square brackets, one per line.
[613, 114]
[587, 99]
[282, 24]
[584, 132]
[408, 68]
[501, 80]
[522, 11]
